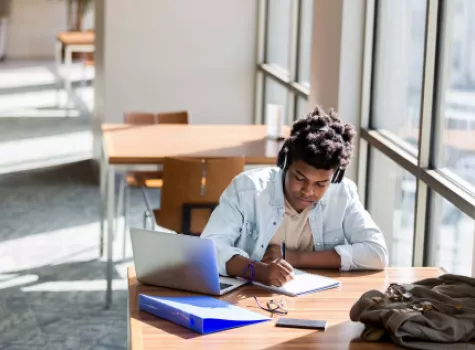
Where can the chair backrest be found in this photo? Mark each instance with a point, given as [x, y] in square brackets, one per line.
[194, 185]
[180, 117]
[140, 118]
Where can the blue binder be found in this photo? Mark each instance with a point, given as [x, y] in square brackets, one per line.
[202, 314]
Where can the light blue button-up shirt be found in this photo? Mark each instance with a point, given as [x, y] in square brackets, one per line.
[251, 210]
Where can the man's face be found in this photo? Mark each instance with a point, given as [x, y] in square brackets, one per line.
[305, 184]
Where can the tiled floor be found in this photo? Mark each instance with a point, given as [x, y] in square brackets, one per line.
[52, 281]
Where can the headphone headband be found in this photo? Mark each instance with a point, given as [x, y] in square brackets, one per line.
[337, 175]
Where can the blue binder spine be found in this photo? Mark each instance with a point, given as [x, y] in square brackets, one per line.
[171, 314]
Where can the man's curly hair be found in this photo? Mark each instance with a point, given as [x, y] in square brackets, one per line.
[320, 139]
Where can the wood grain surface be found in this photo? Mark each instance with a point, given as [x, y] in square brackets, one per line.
[150, 332]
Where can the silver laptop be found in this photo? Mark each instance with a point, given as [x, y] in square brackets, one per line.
[179, 261]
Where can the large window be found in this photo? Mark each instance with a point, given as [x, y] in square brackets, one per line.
[305, 41]
[302, 107]
[456, 108]
[452, 237]
[278, 34]
[399, 58]
[284, 46]
[420, 129]
[391, 202]
[276, 94]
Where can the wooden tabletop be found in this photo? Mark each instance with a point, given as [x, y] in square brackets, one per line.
[150, 332]
[150, 144]
[77, 38]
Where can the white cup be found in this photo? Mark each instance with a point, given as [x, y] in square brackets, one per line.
[275, 121]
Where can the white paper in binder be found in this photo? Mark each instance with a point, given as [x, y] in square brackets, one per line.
[275, 121]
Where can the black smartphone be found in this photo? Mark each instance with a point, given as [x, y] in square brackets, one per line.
[300, 323]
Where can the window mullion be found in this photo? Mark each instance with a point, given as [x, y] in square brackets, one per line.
[425, 132]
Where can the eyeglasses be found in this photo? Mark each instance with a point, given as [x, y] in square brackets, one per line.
[275, 307]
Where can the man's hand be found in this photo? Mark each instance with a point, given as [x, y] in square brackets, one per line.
[272, 254]
[275, 273]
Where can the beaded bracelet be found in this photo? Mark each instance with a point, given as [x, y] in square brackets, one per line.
[253, 271]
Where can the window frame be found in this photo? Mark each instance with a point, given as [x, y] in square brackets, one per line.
[266, 69]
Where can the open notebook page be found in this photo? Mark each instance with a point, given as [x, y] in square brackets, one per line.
[303, 283]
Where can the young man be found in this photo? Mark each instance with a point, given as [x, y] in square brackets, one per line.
[305, 203]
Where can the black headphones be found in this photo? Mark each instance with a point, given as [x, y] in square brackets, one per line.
[338, 175]
[283, 162]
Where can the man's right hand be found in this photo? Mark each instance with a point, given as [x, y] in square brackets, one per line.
[275, 273]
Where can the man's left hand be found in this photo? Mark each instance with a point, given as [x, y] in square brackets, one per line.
[272, 254]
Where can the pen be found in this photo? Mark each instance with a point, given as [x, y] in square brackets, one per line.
[283, 250]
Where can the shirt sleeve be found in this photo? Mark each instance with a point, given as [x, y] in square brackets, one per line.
[225, 227]
[367, 248]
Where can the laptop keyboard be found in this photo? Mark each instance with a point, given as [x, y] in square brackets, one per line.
[224, 285]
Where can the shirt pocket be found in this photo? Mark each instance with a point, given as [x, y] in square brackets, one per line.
[333, 237]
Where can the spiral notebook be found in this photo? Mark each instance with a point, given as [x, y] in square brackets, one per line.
[303, 283]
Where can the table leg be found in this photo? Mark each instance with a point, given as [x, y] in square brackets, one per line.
[110, 231]
[57, 59]
[68, 62]
[102, 209]
[128, 319]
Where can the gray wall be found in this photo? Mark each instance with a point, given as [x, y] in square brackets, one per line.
[33, 27]
[176, 54]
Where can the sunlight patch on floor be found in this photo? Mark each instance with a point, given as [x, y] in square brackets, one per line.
[39, 152]
[26, 76]
[33, 99]
[67, 245]
[18, 281]
[76, 286]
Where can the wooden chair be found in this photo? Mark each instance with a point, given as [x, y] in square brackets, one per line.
[139, 118]
[151, 179]
[191, 190]
[144, 179]
[173, 118]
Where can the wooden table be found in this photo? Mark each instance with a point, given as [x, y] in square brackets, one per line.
[150, 144]
[149, 332]
[130, 147]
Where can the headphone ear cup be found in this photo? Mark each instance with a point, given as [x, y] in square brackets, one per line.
[338, 176]
[281, 160]
[335, 175]
[282, 157]
[341, 175]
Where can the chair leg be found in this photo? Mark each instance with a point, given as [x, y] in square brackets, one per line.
[148, 214]
[145, 219]
[126, 219]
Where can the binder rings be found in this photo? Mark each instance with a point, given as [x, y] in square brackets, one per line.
[202, 314]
